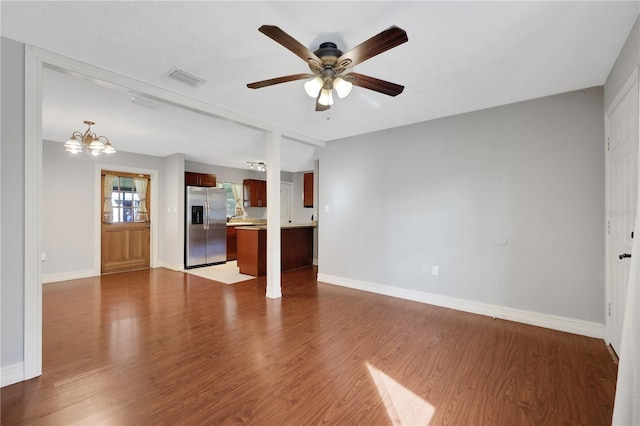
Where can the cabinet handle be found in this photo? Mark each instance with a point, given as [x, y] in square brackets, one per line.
[623, 255]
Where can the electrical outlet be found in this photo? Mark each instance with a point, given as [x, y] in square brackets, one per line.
[434, 270]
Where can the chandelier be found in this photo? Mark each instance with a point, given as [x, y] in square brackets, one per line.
[89, 142]
[261, 166]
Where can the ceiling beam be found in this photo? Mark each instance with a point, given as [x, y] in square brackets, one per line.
[119, 82]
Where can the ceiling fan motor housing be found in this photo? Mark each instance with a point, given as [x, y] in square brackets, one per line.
[328, 49]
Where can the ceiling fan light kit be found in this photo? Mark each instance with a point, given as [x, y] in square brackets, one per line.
[89, 142]
[328, 64]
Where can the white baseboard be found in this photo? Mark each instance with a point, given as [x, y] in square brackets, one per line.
[11, 374]
[172, 266]
[74, 275]
[569, 325]
[64, 276]
[315, 261]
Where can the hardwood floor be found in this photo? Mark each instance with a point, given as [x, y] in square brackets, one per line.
[163, 347]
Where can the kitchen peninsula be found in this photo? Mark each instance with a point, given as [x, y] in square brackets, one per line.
[296, 248]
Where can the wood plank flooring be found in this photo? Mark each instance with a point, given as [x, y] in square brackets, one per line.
[163, 347]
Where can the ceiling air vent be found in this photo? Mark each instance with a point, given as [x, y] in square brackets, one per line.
[186, 77]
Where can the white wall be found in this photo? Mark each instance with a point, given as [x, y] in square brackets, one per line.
[70, 209]
[507, 201]
[12, 205]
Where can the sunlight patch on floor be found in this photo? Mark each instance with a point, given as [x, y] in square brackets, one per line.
[403, 406]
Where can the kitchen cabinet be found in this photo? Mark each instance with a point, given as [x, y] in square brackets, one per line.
[199, 179]
[232, 243]
[307, 198]
[296, 248]
[254, 193]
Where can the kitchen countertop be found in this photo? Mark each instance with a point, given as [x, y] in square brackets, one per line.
[288, 226]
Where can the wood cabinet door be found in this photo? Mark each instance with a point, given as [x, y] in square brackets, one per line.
[208, 180]
[199, 179]
[308, 190]
[125, 242]
[232, 243]
[191, 179]
[254, 193]
[262, 193]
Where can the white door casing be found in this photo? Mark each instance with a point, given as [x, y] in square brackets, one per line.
[622, 192]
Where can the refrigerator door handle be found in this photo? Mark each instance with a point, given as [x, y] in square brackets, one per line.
[204, 221]
[207, 214]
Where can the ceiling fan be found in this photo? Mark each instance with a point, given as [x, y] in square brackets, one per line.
[328, 65]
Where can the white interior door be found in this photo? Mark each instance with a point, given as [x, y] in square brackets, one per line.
[622, 193]
[285, 202]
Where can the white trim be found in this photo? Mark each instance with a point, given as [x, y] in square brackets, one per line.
[66, 276]
[554, 322]
[631, 80]
[119, 82]
[633, 77]
[274, 275]
[12, 374]
[173, 266]
[32, 215]
[97, 229]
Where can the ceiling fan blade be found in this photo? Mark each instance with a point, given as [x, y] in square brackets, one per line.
[387, 39]
[278, 80]
[375, 84]
[279, 36]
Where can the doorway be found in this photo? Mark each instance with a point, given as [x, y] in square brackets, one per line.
[285, 203]
[622, 192]
[125, 222]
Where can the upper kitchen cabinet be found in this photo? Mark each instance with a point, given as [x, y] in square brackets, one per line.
[199, 179]
[255, 193]
[308, 190]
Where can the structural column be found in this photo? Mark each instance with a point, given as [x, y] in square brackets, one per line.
[274, 290]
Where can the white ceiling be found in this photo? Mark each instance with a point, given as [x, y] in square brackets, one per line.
[461, 56]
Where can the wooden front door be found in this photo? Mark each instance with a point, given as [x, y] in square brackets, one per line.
[126, 225]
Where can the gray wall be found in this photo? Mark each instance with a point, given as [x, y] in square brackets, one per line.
[12, 193]
[69, 204]
[626, 62]
[507, 201]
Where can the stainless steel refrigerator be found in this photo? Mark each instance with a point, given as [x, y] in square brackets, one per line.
[206, 226]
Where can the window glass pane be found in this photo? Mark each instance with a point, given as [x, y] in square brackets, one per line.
[231, 199]
[126, 184]
[127, 214]
[124, 200]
